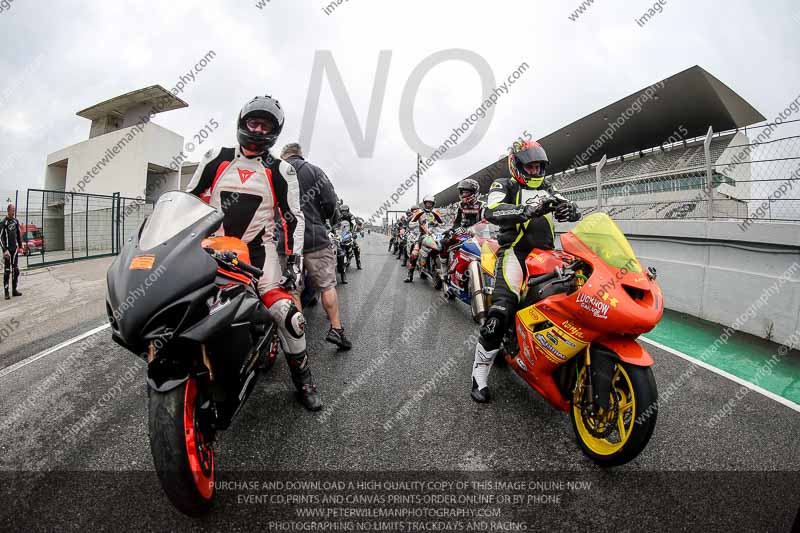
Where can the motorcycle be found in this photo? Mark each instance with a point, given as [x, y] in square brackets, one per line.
[401, 244]
[470, 255]
[411, 238]
[341, 255]
[573, 339]
[348, 244]
[429, 262]
[199, 323]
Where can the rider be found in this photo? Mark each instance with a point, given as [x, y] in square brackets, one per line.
[402, 224]
[515, 204]
[345, 215]
[253, 187]
[11, 242]
[469, 213]
[426, 217]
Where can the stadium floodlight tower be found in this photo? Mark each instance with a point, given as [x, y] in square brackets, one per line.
[126, 153]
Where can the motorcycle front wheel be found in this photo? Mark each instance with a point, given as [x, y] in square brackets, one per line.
[183, 459]
[435, 266]
[618, 435]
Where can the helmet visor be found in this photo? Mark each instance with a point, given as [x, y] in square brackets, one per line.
[260, 124]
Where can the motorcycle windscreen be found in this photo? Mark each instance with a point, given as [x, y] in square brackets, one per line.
[600, 234]
[174, 212]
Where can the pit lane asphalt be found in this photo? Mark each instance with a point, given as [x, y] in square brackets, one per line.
[445, 431]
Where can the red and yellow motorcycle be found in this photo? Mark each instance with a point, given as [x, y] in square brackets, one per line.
[574, 337]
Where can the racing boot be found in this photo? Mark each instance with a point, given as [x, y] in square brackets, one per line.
[358, 261]
[409, 278]
[344, 277]
[15, 292]
[480, 372]
[8, 296]
[304, 381]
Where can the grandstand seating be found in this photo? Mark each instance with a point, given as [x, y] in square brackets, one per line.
[675, 159]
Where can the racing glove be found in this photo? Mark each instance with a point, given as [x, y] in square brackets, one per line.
[567, 212]
[291, 274]
[534, 210]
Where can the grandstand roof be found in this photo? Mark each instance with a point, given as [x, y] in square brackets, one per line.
[693, 99]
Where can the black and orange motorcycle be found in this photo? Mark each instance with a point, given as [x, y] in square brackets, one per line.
[189, 305]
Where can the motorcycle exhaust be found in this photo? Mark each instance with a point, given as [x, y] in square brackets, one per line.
[476, 291]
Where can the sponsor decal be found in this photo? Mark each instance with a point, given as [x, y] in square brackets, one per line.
[608, 298]
[573, 329]
[496, 185]
[552, 338]
[638, 279]
[536, 316]
[245, 174]
[597, 307]
[142, 262]
[549, 348]
[564, 339]
[521, 365]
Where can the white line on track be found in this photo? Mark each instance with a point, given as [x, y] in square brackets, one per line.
[771, 395]
[25, 362]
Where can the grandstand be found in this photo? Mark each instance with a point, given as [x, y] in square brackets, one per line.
[665, 182]
[650, 171]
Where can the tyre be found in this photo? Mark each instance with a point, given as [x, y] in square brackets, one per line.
[619, 435]
[270, 353]
[183, 460]
[438, 283]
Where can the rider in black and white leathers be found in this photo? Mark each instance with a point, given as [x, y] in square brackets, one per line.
[11, 242]
[256, 190]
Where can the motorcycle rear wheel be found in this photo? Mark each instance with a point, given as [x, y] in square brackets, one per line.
[634, 397]
[183, 460]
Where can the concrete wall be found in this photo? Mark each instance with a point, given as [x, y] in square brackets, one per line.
[124, 172]
[717, 272]
[98, 235]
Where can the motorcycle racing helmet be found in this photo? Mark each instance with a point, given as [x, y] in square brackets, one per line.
[250, 131]
[468, 190]
[527, 163]
[428, 200]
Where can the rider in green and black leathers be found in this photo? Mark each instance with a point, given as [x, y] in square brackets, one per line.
[516, 205]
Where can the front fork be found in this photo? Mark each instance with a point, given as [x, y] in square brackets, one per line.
[598, 392]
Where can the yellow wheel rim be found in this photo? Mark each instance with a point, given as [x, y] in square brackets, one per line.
[622, 395]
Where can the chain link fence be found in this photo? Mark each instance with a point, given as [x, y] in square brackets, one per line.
[60, 226]
[734, 177]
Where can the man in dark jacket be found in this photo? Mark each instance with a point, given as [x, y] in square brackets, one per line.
[11, 241]
[318, 202]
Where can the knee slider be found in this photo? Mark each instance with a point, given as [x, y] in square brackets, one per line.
[294, 322]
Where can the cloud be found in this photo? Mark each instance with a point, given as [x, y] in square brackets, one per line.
[94, 51]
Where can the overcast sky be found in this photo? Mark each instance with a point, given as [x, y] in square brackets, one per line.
[61, 56]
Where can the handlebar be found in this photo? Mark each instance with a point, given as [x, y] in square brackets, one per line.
[231, 259]
[250, 269]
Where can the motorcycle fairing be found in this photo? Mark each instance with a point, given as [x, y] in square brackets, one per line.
[182, 265]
